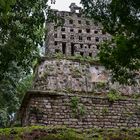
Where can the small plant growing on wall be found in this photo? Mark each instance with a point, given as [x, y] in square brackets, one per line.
[101, 85]
[105, 111]
[84, 58]
[82, 110]
[113, 95]
[74, 104]
[76, 72]
[59, 55]
[77, 56]
[78, 109]
[68, 90]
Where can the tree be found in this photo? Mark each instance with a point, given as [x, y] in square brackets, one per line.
[121, 19]
[21, 34]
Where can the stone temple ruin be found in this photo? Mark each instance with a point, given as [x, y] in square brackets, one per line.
[71, 87]
[78, 35]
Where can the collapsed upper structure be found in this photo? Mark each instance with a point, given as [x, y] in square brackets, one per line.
[77, 35]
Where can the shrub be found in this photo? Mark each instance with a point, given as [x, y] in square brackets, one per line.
[113, 96]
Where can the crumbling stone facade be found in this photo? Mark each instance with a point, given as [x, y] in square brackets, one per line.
[73, 75]
[73, 91]
[77, 35]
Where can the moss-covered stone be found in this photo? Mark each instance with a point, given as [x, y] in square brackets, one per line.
[63, 133]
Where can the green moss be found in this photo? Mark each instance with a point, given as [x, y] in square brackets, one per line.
[59, 55]
[78, 109]
[18, 131]
[105, 110]
[67, 135]
[101, 85]
[63, 133]
[84, 58]
[136, 96]
[77, 57]
[68, 90]
[76, 72]
[113, 96]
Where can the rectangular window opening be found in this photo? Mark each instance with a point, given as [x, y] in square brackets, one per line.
[80, 38]
[71, 21]
[97, 46]
[81, 46]
[96, 32]
[72, 49]
[89, 46]
[71, 30]
[80, 31]
[64, 48]
[82, 53]
[97, 39]
[55, 43]
[63, 29]
[79, 21]
[63, 36]
[90, 54]
[89, 38]
[88, 30]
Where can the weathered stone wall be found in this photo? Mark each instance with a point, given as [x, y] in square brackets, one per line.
[70, 91]
[79, 111]
[70, 75]
[77, 36]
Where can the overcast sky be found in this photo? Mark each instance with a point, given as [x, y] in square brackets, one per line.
[63, 5]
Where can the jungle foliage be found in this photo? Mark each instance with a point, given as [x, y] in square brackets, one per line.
[63, 133]
[121, 19]
[21, 35]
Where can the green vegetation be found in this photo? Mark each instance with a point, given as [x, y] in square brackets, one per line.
[22, 32]
[63, 133]
[58, 55]
[78, 109]
[10, 100]
[77, 57]
[84, 58]
[76, 72]
[21, 35]
[105, 110]
[113, 96]
[101, 85]
[136, 96]
[120, 18]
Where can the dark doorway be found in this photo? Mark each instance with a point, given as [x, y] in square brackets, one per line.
[72, 49]
[82, 53]
[64, 47]
[90, 54]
